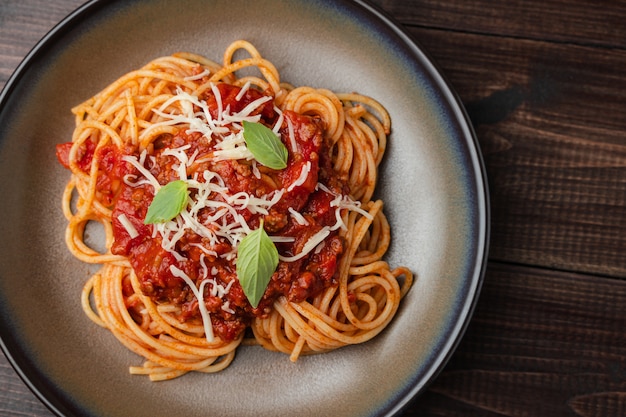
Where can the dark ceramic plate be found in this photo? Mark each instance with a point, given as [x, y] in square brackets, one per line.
[432, 181]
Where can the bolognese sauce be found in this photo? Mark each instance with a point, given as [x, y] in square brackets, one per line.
[233, 204]
[199, 259]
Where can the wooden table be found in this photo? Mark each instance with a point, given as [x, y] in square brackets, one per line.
[544, 83]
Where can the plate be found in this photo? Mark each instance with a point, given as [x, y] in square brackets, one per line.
[432, 181]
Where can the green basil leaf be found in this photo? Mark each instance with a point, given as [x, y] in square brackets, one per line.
[168, 202]
[265, 145]
[257, 259]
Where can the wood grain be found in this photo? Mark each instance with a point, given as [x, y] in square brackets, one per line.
[15, 399]
[23, 24]
[550, 119]
[541, 343]
[594, 23]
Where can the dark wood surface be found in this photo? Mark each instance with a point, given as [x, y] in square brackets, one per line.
[544, 83]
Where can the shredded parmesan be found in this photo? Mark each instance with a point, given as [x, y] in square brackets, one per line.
[128, 226]
[342, 202]
[304, 174]
[279, 122]
[299, 218]
[282, 239]
[179, 153]
[199, 76]
[218, 101]
[243, 91]
[255, 170]
[213, 212]
[198, 293]
[292, 136]
[148, 176]
[244, 114]
[310, 244]
[232, 147]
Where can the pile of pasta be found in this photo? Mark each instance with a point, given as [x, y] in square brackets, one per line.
[369, 291]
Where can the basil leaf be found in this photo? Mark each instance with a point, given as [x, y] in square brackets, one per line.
[265, 145]
[168, 202]
[257, 259]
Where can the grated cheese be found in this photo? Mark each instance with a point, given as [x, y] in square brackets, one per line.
[224, 222]
[128, 226]
[279, 122]
[292, 136]
[199, 76]
[218, 101]
[244, 114]
[243, 91]
[299, 218]
[342, 202]
[198, 293]
[310, 244]
[149, 178]
[304, 174]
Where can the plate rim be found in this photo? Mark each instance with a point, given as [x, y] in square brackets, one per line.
[45, 391]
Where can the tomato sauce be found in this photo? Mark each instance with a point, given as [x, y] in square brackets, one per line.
[111, 169]
[231, 313]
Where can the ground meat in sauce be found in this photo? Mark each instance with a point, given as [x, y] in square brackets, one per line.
[297, 280]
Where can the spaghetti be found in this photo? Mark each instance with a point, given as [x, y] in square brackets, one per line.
[173, 290]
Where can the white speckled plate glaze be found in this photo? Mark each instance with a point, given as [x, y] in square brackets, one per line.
[432, 182]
